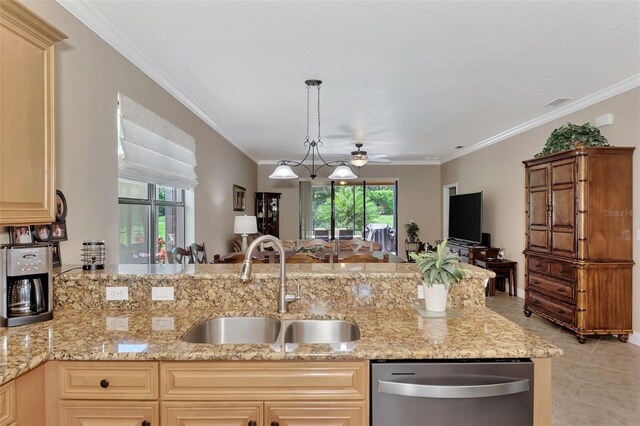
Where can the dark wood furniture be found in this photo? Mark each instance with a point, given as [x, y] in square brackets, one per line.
[268, 213]
[469, 253]
[416, 246]
[579, 240]
[504, 270]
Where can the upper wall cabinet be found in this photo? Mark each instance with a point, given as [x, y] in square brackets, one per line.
[27, 184]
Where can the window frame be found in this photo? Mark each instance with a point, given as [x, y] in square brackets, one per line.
[153, 204]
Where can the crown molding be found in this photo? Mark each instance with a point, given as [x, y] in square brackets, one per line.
[599, 96]
[86, 14]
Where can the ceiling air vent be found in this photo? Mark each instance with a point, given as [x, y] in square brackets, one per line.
[558, 101]
[458, 147]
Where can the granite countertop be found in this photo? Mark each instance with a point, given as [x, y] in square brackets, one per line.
[155, 335]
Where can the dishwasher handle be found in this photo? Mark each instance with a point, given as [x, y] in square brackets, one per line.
[444, 391]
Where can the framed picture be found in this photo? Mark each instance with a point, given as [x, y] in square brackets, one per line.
[239, 202]
[61, 206]
[41, 233]
[59, 231]
[20, 234]
[55, 251]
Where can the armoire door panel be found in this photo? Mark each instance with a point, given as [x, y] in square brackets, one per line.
[563, 243]
[538, 176]
[538, 208]
[563, 212]
[563, 172]
[539, 240]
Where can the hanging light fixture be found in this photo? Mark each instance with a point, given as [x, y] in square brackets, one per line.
[284, 171]
[359, 158]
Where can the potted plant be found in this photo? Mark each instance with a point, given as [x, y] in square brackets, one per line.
[439, 269]
[412, 229]
[570, 136]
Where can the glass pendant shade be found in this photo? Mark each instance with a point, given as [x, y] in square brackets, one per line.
[359, 160]
[342, 172]
[283, 172]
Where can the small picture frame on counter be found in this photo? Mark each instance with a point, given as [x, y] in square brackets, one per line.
[41, 233]
[59, 231]
[55, 252]
[20, 234]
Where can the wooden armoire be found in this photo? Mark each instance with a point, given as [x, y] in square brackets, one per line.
[578, 255]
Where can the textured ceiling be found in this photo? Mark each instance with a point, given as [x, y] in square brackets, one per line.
[413, 79]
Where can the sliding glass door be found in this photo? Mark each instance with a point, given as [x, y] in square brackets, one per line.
[344, 210]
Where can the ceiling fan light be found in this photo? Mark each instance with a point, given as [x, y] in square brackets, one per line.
[359, 160]
[283, 172]
[342, 172]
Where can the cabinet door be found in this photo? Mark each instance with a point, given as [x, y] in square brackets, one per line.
[26, 102]
[108, 413]
[315, 413]
[563, 207]
[211, 413]
[538, 205]
[7, 403]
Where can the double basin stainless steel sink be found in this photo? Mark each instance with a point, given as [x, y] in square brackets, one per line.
[252, 330]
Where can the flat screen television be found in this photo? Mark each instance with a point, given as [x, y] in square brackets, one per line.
[465, 217]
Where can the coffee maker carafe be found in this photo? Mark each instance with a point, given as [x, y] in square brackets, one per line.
[26, 285]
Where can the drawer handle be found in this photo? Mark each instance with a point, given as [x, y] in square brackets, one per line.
[275, 424]
[252, 423]
[146, 423]
[104, 383]
[560, 290]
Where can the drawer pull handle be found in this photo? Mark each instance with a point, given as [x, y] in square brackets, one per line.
[252, 423]
[146, 423]
[104, 383]
[275, 424]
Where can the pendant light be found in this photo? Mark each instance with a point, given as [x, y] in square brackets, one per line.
[284, 167]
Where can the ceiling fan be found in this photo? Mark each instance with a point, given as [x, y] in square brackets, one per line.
[359, 157]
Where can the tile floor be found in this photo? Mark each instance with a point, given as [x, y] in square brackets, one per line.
[597, 383]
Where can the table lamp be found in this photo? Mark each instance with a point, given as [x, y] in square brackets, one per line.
[245, 225]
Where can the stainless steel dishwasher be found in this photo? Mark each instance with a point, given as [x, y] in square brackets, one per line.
[447, 393]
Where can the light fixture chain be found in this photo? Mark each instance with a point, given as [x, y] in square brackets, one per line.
[318, 113]
[308, 89]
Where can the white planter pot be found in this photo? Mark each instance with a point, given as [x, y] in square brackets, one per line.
[435, 297]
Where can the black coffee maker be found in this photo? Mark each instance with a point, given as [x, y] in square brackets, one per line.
[27, 293]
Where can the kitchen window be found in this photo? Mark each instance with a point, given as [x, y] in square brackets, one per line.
[151, 221]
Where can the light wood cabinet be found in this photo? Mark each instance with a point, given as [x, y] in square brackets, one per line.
[211, 413]
[579, 240]
[7, 403]
[317, 413]
[108, 413]
[27, 144]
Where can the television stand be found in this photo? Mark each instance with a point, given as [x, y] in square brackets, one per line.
[469, 252]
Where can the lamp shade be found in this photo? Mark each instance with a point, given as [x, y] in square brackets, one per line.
[245, 225]
[283, 172]
[342, 172]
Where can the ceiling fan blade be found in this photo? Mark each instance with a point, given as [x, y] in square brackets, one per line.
[377, 156]
[380, 160]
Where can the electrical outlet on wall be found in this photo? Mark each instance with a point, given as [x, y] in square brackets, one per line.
[117, 293]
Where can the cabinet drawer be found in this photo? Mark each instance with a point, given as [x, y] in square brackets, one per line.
[8, 403]
[211, 413]
[563, 270]
[116, 413]
[273, 380]
[538, 264]
[557, 288]
[316, 413]
[556, 310]
[108, 380]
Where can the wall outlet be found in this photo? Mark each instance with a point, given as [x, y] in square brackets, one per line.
[162, 293]
[420, 291]
[638, 234]
[117, 293]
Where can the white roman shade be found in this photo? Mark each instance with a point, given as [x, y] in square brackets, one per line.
[150, 149]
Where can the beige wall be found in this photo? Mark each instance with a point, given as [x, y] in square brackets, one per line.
[419, 197]
[498, 171]
[89, 73]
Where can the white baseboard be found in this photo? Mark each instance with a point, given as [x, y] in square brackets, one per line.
[634, 338]
[520, 293]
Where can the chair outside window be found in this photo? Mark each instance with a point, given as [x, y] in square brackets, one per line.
[345, 234]
[322, 234]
